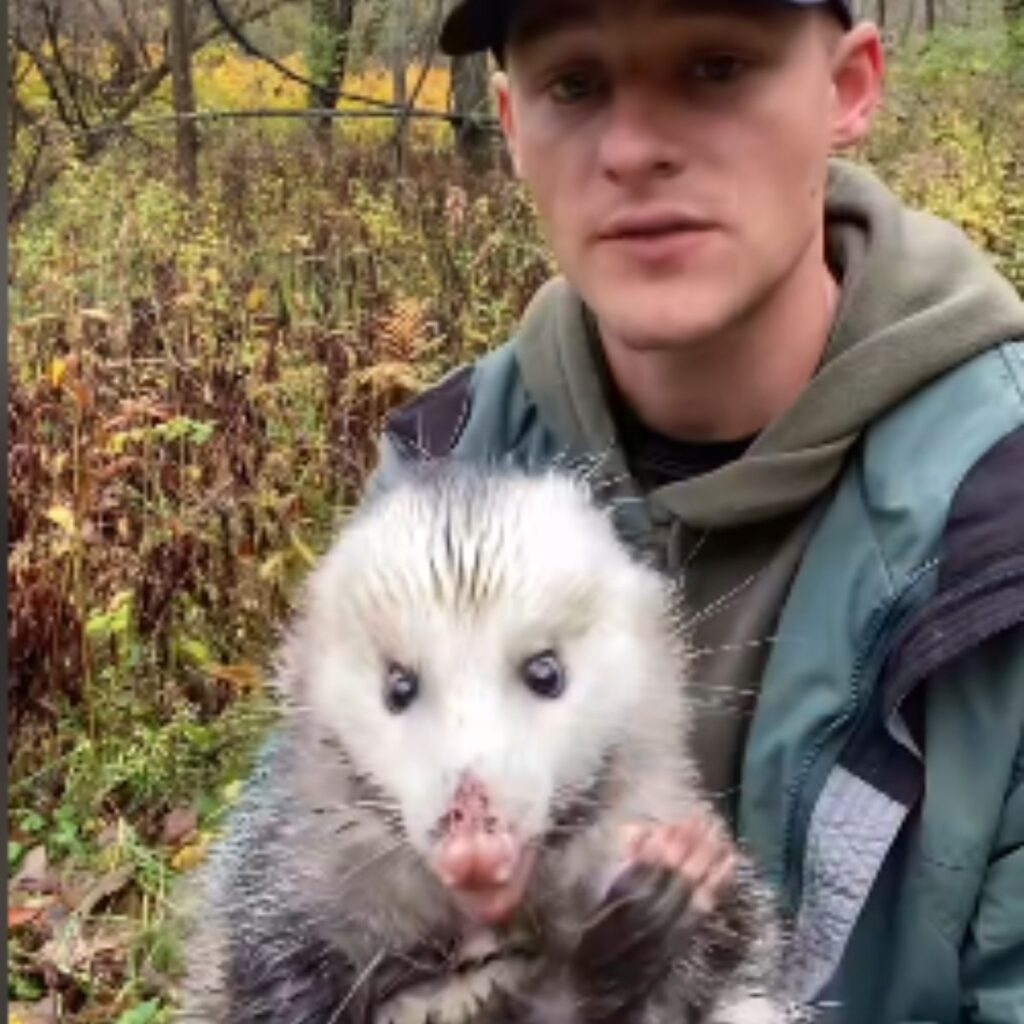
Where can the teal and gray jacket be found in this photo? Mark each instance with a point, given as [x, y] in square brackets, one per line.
[873, 757]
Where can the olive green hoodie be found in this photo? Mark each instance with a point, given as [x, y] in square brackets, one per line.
[917, 299]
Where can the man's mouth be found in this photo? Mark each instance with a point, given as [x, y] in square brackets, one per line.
[652, 223]
[656, 236]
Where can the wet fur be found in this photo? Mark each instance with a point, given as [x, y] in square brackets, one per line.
[318, 907]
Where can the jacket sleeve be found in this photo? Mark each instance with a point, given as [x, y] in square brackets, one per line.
[993, 955]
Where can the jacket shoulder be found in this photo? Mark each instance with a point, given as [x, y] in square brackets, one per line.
[478, 412]
[979, 591]
[430, 425]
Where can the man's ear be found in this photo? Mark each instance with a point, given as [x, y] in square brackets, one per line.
[857, 82]
[503, 101]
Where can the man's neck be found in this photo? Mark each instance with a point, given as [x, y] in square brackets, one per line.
[732, 385]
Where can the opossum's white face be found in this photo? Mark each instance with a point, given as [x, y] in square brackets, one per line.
[484, 649]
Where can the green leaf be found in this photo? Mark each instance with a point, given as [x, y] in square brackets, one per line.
[24, 989]
[195, 650]
[201, 431]
[14, 852]
[31, 822]
[144, 1013]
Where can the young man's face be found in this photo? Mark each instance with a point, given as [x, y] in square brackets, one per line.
[677, 151]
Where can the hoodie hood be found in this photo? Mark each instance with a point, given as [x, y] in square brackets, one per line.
[918, 298]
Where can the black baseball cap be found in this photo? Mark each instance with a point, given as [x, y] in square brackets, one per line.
[474, 25]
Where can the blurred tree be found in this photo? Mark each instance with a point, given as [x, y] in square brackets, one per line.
[186, 134]
[88, 101]
[470, 99]
[1013, 11]
[330, 27]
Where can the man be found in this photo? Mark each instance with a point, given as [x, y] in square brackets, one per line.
[818, 397]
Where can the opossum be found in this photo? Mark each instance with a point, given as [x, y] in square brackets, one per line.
[479, 806]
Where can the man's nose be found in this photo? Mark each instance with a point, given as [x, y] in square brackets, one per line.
[640, 138]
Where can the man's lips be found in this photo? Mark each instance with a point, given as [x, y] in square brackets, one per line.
[651, 223]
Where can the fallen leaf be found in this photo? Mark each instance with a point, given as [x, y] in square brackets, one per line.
[77, 945]
[243, 676]
[43, 1012]
[110, 834]
[62, 516]
[179, 825]
[17, 917]
[141, 1014]
[34, 874]
[107, 885]
[190, 856]
[58, 368]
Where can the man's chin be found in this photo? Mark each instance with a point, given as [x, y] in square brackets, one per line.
[658, 312]
[641, 321]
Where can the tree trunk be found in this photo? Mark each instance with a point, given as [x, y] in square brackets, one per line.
[330, 25]
[929, 15]
[1013, 11]
[883, 14]
[469, 102]
[398, 33]
[184, 98]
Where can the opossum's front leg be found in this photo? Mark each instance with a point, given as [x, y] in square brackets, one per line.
[657, 939]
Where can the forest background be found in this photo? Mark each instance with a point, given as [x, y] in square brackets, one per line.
[215, 296]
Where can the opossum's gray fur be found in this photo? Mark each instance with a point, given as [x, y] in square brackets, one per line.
[318, 907]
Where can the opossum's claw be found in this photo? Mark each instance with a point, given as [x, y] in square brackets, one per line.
[697, 848]
[629, 945]
[675, 878]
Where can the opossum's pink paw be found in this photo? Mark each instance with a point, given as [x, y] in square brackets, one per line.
[697, 848]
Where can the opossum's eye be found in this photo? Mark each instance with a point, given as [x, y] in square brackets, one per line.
[401, 688]
[543, 673]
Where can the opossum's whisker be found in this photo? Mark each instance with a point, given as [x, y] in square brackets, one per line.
[745, 645]
[380, 855]
[612, 481]
[617, 503]
[375, 805]
[362, 978]
[723, 602]
[696, 550]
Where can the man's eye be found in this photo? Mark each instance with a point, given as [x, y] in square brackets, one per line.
[719, 68]
[574, 87]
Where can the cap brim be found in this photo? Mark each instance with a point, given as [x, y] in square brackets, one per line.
[476, 25]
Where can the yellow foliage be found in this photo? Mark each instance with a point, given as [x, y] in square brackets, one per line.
[62, 516]
[404, 332]
[58, 368]
[225, 79]
[192, 855]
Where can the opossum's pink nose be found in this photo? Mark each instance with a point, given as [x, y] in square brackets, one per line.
[479, 858]
[470, 811]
